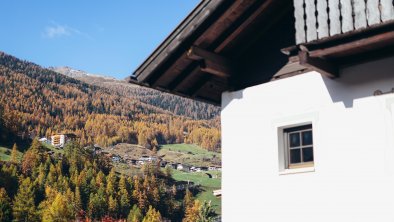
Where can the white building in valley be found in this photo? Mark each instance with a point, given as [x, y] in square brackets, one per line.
[306, 91]
[60, 140]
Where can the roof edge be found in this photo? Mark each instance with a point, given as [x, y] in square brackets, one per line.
[189, 25]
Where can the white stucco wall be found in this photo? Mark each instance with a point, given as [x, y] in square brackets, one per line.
[353, 178]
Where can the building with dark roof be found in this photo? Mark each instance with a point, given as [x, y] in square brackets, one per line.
[305, 88]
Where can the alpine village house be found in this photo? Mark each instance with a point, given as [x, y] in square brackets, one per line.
[306, 89]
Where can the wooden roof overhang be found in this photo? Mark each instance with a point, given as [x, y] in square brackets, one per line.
[202, 57]
[329, 55]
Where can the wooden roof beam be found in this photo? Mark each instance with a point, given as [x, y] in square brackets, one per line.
[318, 64]
[210, 62]
[184, 76]
[244, 25]
[381, 40]
[199, 85]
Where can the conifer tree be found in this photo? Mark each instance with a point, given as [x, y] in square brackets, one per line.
[41, 175]
[5, 206]
[14, 154]
[135, 214]
[188, 199]
[97, 206]
[52, 177]
[124, 197]
[57, 208]
[112, 206]
[142, 139]
[136, 190]
[192, 212]
[206, 212]
[77, 198]
[155, 196]
[24, 208]
[142, 201]
[152, 215]
[111, 183]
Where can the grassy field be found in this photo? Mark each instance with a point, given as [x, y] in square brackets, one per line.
[179, 153]
[189, 154]
[5, 154]
[207, 184]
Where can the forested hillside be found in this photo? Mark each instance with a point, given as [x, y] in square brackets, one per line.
[84, 187]
[40, 102]
[175, 104]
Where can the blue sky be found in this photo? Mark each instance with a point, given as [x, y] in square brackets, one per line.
[98, 36]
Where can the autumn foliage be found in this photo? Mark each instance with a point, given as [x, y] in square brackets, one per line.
[38, 102]
[79, 187]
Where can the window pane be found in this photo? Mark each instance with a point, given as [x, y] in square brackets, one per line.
[294, 139]
[307, 138]
[307, 154]
[295, 156]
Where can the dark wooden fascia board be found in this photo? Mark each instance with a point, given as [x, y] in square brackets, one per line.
[369, 43]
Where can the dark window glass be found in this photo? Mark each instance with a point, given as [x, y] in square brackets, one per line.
[307, 138]
[295, 156]
[307, 154]
[294, 139]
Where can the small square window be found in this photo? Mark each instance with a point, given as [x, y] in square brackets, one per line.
[298, 146]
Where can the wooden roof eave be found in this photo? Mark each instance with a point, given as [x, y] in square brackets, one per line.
[205, 72]
[186, 28]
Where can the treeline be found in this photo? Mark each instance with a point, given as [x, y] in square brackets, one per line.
[175, 104]
[81, 186]
[39, 102]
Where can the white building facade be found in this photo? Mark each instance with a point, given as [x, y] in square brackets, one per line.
[306, 93]
[58, 140]
[352, 175]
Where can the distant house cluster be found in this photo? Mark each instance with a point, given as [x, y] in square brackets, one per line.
[143, 160]
[190, 168]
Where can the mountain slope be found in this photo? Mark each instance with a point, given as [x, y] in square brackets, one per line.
[41, 102]
[175, 104]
